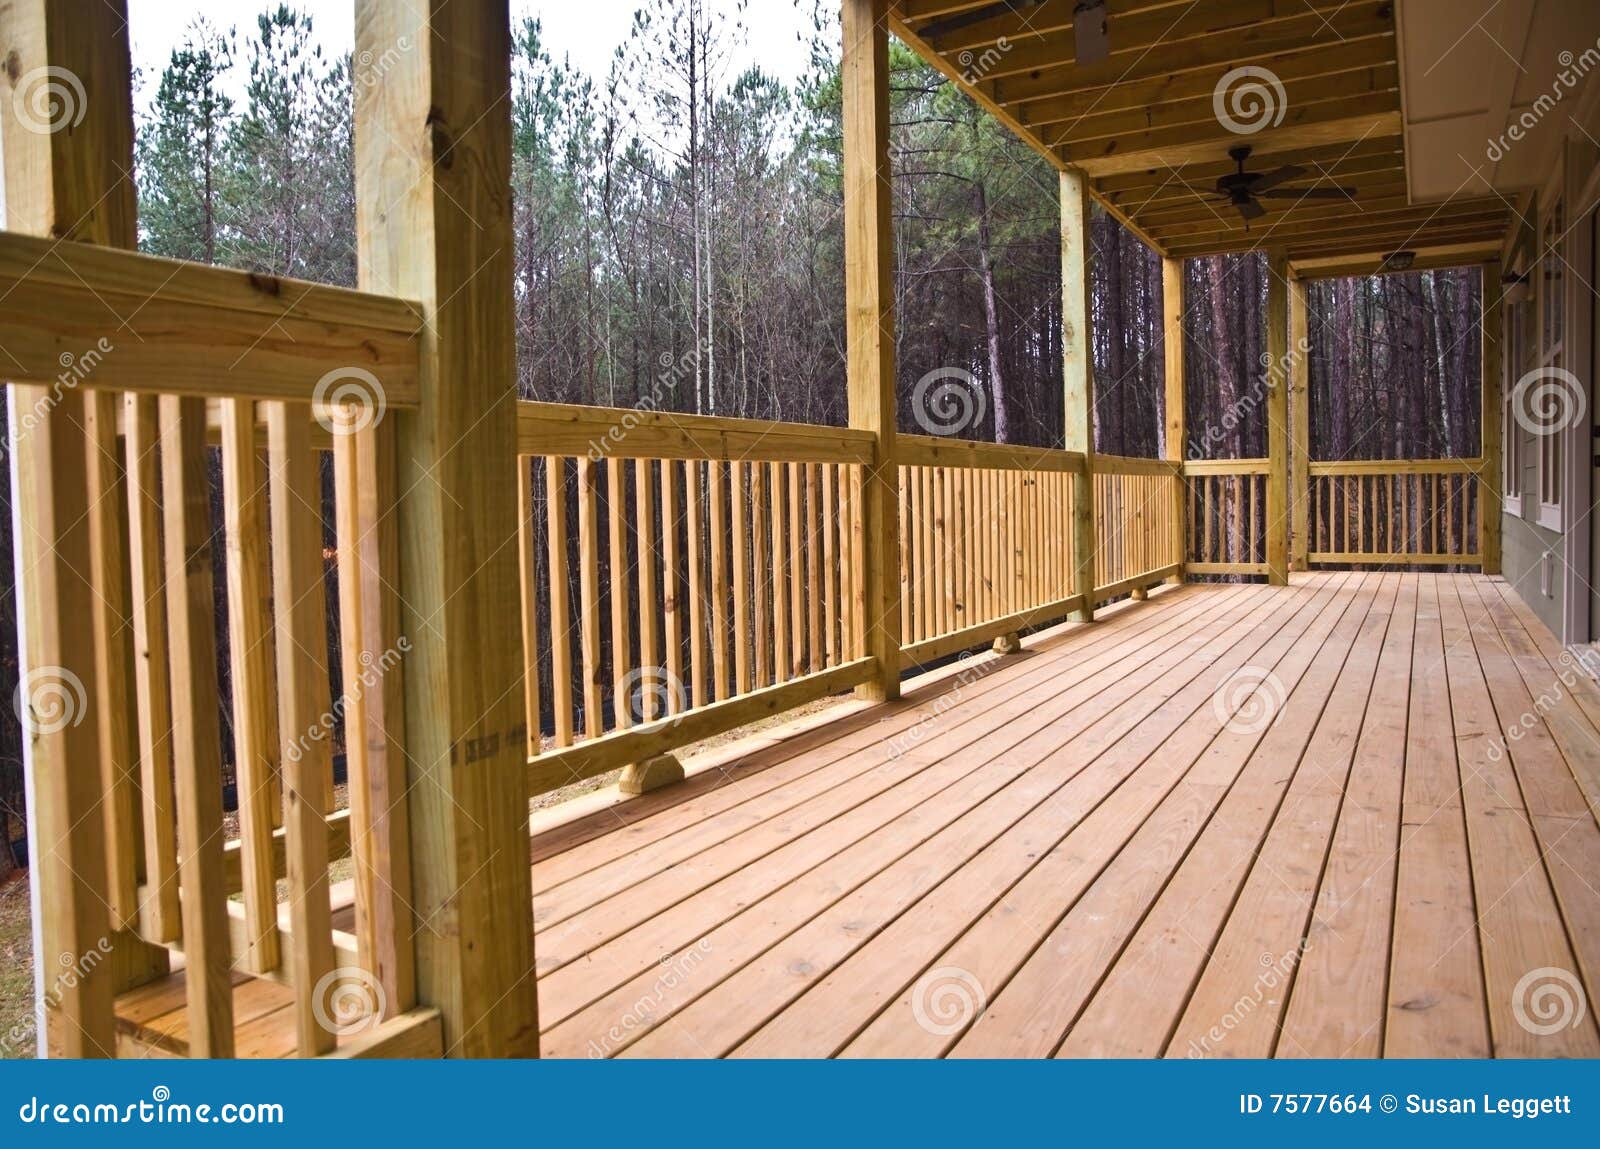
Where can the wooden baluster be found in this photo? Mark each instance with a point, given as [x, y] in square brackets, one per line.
[906, 517]
[528, 579]
[697, 588]
[830, 559]
[300, 628]
[719, 579]
[780, 577]
[857, 597]
[196, 738]
[741, 577]
[555, 482]
[621, 594]
[589, 594]
[151, 680]
[814, 564]
[255, 704]
[672, 585]
[760, 545]
[797, 574]
[644, 518]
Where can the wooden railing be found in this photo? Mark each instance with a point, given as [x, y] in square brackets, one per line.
[183, 871]
[681, 575]
[1138, 504]
[1226, 508]
[1410, 512]
[985, 542]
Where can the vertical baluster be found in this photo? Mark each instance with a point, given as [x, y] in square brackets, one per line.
[621, 604]
[858, 561]
[672, 585]
[255, 707]
[797, 573]
[763, 574]
[814, 563]
[300, 629]
[697, 588]
[196, 738]
[830, 558]
[740, 490]
[151, 681]
[589, 594]
[780, 577]
[719, 578]
[555, 482]
[644, 518]
[528, 579]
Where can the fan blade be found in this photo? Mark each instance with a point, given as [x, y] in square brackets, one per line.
[1274, 178]
[1309, 193]
[1250, 209]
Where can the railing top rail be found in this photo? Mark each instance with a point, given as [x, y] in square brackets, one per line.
[1130, 465]
[1397, 467]
[935, 451]
[1227, 466]
[575, 430]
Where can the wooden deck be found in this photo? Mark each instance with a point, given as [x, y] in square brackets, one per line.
[1233, 821]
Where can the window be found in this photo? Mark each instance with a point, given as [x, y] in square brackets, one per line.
[1517, 356]
[1549, 427]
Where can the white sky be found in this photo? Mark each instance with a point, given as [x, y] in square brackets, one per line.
[587, 31]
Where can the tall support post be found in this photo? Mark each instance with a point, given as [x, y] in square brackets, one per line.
[1172, 304]
[1078, 378]
[433, 147]
[1300, 429]
[1277, 385]
[1490, 482]
[869, 320]
[67, 123]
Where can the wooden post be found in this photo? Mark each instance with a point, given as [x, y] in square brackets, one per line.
[1172, 304]
[1490, 482]
[1078, 378]
[1277, 419]
[869, 319]
[1300, 415]
[433, 142]
[67, 175]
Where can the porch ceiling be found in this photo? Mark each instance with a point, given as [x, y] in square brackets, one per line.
[1144, 123]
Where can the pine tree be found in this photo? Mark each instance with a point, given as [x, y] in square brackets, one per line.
[181, 146]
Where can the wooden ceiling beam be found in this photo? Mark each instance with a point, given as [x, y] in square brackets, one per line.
[1345, 88]
[1356, 224]
[1304, 32]
[1199, 212]
[1172, 87]
[1310, 126]
[1183, 201]
[1335, 160]
[1406, 239]
[1371, 263]
[1031, 23]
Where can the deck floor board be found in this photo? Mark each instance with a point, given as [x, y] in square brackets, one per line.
[1099, 848]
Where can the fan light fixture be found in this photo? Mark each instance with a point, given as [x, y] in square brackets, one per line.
[1399, 261]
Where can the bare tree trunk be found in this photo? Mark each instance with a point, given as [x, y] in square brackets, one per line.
[997, 385]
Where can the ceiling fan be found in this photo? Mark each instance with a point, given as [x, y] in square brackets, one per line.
[1244, 190]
